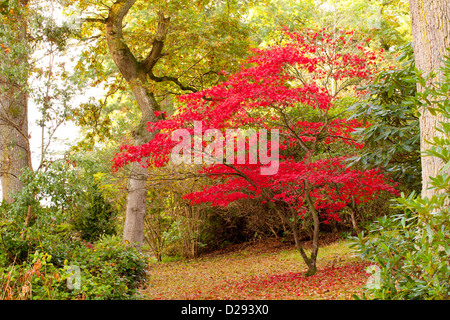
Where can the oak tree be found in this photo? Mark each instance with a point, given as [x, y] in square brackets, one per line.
[178, 51]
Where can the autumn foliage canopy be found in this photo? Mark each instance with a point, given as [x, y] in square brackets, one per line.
[295, 89]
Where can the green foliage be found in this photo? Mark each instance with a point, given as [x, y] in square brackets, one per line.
[13, 44]
[269, 17]
[69, 212]
[390, 106]
[412, 248]
[36, 279]
[386, 22]
[205, 37]
[107, 270]
[65, 201]
[13, 249]
[97, 219]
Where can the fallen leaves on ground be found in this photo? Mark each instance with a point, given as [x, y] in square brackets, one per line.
[274, 273]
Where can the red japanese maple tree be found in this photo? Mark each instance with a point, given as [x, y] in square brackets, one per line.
[293, 92]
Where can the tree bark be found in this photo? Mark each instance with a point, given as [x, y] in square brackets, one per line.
[312, 266]
[15, 153]
[15, 148]
[136, 74]
[292, 222]
[430, 20]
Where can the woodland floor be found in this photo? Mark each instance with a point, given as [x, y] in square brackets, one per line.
[263, 270]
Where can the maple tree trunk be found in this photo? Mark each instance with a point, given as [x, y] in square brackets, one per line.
[430, 20]
[15, 153]
[353, 214]
[311, 261]
[312, 266]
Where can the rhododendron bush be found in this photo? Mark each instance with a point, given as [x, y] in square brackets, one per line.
[287, 98]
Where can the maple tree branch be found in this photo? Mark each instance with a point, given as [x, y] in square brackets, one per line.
[240, 173]
[289, 127]
[341, 137]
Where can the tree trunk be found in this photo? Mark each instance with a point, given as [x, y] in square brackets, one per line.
[353, 214]
[136, 74]
[137, 184]
[430, 20]
[312, 266]
[15, 148]
[15, 153]
[136, 206]
[292, 222]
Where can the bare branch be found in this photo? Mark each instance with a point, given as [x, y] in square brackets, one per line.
[94, 20]
[171, 79]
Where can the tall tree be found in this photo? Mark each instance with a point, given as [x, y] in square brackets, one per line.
[147, 64]
[135, 73]
[15, 154]
[430, 20]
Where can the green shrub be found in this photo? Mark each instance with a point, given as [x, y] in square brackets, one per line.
[96, 219]
[411, 252]
[66, 210]
[393, 137]
[107, 270]
[36, 279]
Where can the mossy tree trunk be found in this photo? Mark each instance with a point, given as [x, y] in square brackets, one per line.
[15, 153]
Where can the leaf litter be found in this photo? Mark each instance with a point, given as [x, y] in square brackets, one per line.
[265, 270]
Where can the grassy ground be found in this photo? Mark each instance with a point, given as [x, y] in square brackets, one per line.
[262, 270]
